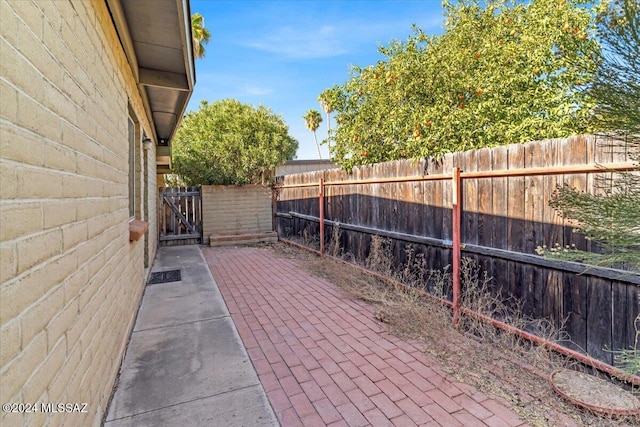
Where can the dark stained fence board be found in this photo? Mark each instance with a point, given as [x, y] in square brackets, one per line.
[553, 223]
[626, 307]
[368, 194]
[498, 220]
[535, 203]
[484, 214]
[575, 302]
[469, 218]
[406, 217]
[382, 197]
[433, 212]
[599, 315]
[553, 304]
[375, 196]
[435, 198]
[515, 201]
[393, 170]
[574, 153]
[500, 274]
[329, 191]
[446, 255]
[447, 197]
[485, 199]
[500, 196]
[419, 207]
[518, 283]
[539, 295]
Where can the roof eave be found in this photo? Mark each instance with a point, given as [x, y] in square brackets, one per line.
[165, 85]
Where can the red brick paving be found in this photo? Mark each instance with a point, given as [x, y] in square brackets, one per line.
[324, 360]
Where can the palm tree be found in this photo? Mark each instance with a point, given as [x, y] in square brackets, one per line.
[313, 120]
[328, 100]
[200, 34]
[326, 107]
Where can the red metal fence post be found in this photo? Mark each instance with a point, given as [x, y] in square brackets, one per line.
[274, 210]
[456, 214]
[321, 201]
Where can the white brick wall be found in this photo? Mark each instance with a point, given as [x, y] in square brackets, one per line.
[70, 280]
[230, 210]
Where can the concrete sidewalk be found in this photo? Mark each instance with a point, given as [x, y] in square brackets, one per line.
[185, 364]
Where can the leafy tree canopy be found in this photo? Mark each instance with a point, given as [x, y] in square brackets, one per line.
[616, 88]
[612, 217]
[503, 72]
[227, 142]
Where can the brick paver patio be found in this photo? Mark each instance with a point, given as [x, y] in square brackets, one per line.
[324, 360]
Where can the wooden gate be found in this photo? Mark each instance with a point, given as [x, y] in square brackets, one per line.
[180, 216]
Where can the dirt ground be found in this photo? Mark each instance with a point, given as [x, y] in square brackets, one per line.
[498, 364]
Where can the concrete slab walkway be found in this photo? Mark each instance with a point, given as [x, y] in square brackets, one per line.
[185, 364]
[323, 359]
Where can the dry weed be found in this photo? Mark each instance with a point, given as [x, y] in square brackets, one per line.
[309, 239]
[334, 248]
[380, 259]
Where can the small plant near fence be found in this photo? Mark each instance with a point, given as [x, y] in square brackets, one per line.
[629, 359]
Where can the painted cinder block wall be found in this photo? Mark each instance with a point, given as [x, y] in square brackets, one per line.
[70, 279]
[233, 210]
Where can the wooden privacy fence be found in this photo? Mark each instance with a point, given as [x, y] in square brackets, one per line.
[180, 216]
[490, 205]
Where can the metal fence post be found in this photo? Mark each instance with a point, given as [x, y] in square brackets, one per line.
[321, 201]
[456, 215]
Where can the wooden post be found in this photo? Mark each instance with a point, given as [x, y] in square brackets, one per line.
[321, 201]
[456, 215]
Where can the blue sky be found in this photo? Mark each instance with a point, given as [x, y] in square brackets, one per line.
[283, 54]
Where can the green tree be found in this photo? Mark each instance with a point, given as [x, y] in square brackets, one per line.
[616, 88]
[312, 121]
[227, 142]
[503, 72]
[612, 217]
[200, 35]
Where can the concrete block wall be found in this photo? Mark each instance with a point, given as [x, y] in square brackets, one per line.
[70, 280]
[232, 210]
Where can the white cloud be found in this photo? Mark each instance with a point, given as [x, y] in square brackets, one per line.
[299, 43]
[307, 39]
[219, 86]
[248, 89]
